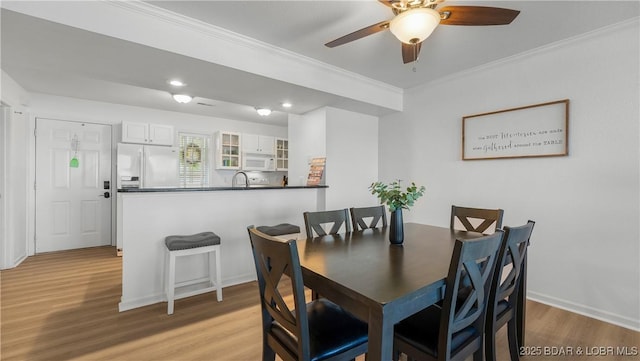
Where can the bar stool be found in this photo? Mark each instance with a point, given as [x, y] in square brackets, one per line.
[178, 246]
[281, 229]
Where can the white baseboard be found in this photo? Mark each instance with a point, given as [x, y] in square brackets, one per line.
[126, 305]
[15, 263]
[140, 302]
[605, 316]
[239, 280]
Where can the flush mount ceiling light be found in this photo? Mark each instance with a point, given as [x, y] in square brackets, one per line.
[263, 111]
[286, 105]
[176, 82]
[414, 25]
[182, 98]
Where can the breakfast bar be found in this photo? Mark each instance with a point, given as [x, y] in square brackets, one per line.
[147, 216]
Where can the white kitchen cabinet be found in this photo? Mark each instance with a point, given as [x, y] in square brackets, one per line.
[228, 150]
[282, 154]
[145, 133]
[258, 144]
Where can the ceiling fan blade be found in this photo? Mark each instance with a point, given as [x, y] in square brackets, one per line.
[372, 29]
[387, 2]
[477, 15]
[410, 52]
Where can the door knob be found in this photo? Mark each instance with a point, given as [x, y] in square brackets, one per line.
[106, 195]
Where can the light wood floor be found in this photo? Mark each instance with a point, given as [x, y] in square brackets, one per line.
[64, 306]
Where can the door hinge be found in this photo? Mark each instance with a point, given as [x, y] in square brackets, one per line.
[35, 132]
[34, 186]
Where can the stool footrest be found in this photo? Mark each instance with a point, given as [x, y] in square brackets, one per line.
[199, 291]
[193, 282]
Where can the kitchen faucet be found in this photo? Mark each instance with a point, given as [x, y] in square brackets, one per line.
[246, 178]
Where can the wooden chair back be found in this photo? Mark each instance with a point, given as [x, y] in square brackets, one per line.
[314, 221]
[275, 258]
[377, 214]
[504, 289]
[476, 219]
[468, 286]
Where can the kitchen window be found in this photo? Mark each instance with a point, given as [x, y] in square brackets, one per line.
[194, 160]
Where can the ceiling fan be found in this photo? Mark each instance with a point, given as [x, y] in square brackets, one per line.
[415, 20]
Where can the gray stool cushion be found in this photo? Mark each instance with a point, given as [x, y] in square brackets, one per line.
[280, 229]
[175, 243]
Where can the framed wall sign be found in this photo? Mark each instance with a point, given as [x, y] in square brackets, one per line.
[539, 130]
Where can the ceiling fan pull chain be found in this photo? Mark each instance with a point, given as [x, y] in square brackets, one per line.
[415, 56]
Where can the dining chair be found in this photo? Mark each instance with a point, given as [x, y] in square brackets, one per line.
[314, 221]
[476, 219]
[454, 330]
[503, 305]
[377, 214]
[318, 330]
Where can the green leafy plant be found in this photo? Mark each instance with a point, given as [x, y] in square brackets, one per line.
[394, 196]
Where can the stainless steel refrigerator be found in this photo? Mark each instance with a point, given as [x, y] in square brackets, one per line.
[147, 166]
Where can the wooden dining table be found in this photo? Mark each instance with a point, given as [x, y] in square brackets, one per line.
[378, 282]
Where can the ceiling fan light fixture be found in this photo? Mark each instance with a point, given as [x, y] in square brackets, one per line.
[414, 25]
[263, 111]
[182, 98]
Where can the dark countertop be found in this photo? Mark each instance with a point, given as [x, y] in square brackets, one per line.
[212, 189]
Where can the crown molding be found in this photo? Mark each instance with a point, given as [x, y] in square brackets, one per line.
[536, 51]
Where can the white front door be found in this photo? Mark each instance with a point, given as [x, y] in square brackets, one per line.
[71, 208]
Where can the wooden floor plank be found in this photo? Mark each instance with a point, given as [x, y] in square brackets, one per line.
[64, 306]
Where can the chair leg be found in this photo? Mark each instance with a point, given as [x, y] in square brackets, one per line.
[512, 335]
[267, 352]
[477, 356]
[171, 283]
[490, 344]
[395, 354]
[218, 275]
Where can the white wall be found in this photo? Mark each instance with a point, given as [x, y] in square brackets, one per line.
[585, 253]
[17, 162]
[14, 173]
[307, 139]
[349, 141]
[4, 114]
[352, 158]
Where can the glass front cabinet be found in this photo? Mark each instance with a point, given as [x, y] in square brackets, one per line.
[228, 146]
[282, 154]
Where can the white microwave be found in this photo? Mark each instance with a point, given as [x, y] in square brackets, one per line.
[256, 162]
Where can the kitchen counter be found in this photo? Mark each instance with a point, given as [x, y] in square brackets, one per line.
[213, 189]
[146, 216]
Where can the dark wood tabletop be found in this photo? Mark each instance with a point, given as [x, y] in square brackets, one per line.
[377, 281]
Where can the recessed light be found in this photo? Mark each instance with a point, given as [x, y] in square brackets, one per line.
[263, 111]
[182, 98]
[286, 105]
[176, 82]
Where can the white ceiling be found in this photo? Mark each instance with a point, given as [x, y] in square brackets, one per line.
[47, 57]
